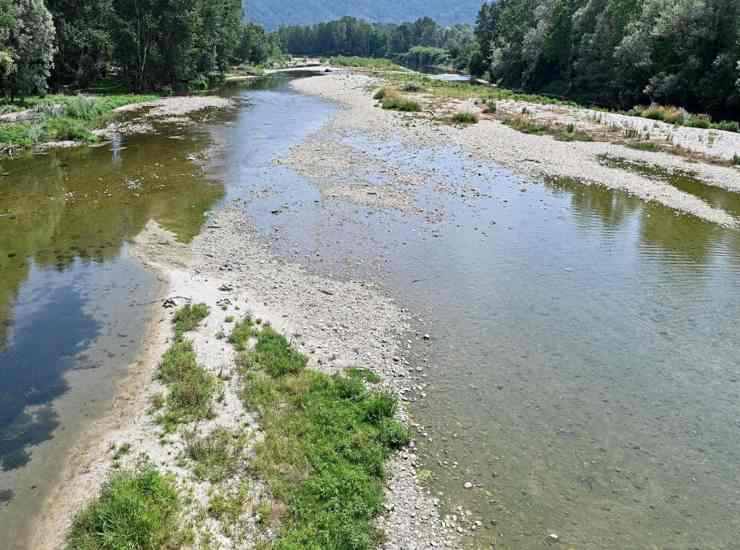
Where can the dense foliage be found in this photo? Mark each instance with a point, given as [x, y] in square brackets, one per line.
[146, 44]
[616, 52]
[276, 13]
[26, 46]
[420, 43]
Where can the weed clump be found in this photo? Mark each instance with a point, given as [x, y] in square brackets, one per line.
[188, 318]
[216, 456]
[136, 509]
[241, 334]
[326, 439]
[191, 387]
[400, 104]
[464, 117]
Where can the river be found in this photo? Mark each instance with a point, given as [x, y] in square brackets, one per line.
[583, 371]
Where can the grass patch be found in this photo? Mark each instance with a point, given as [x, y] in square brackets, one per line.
[364, 374]
[393, 100]
[191, 387]
[188, 318]
[326, 439]
[464, 117]
[241, 334]
[136, 510]
[643, 146]
[62, 118]
[559, 132]
[216, 456]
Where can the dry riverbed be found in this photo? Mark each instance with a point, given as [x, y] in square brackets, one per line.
[534, 156]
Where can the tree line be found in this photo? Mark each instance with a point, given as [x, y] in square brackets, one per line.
[145, 44]
[616, 52]
[422, 42]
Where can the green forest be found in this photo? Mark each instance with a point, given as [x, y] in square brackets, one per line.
[276, 13]
[417, 44]
[144, 45]
[616, 53]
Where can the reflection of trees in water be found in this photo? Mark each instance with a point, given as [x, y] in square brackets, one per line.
[672, 234]
[81, 205]
[679, 236]
[596, 205]
[77, 206]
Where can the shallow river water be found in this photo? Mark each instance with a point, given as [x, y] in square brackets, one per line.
[583, 369]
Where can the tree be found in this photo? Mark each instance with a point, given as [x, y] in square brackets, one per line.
[28, 52]
[7, 23]
[84, 43]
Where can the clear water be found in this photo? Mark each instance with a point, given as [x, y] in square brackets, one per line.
[583, 366]
[583, 369]
[74, 304]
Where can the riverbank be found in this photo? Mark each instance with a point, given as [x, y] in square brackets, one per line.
[72, 121]
[537, 155]
[337, 324]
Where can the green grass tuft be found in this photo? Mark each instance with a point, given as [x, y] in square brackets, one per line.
[191, 387]
[400, 104]
[241, 334]
[275, 356]
[136, 510]
[326, 439]
[216, 456]
[188, 318]
[464, 117]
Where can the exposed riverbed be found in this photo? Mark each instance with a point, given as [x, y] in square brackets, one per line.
[580, 375]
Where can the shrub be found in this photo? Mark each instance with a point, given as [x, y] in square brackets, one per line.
[135, 509]
[736, 160]
[380, 94]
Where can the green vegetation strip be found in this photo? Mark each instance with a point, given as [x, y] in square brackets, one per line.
[192, 387]
[326, 439]
[136, 510]
[63, 118]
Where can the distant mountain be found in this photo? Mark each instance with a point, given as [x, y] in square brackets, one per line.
[274, 13]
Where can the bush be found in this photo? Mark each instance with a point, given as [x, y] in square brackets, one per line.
[380, 94]
[135, 510]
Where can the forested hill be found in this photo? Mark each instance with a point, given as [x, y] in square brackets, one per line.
[274, 13]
